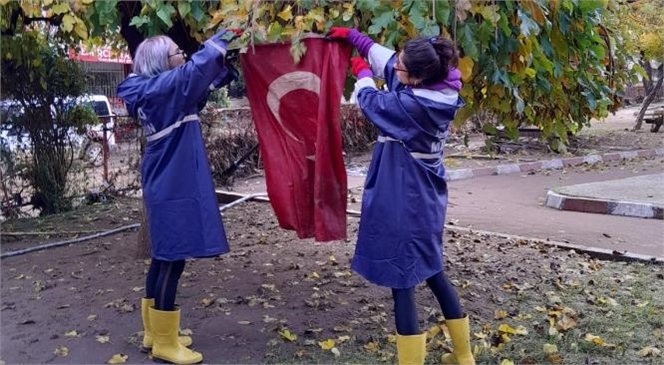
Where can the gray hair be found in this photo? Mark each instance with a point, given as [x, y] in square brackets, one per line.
[151, 56]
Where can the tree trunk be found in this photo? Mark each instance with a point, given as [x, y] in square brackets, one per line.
[180, 32]
[647, 82]
[143, 241]
[649, 98]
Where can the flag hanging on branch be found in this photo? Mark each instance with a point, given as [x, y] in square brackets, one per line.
[296, 110]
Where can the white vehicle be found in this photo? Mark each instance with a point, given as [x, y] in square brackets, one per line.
[14, 140]
[101, 107]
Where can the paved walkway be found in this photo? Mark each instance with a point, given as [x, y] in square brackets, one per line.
[514, 201]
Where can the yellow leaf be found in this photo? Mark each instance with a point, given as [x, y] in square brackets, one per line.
[103, 339]
[650, 351]
[61, 351]
[433, 331]
[118, 359]
[288, 335]
[327, 344]
[315, 275]
[286, 14]
[530, 72]
[594, 339]
[500, 314]
[466, 67]
[507, 362]
[549, 348]
[506, 329]
[371, 347]
[60, 8]
[72, 334]
[68, 23]
[80, 29]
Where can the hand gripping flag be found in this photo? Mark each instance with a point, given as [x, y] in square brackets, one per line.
[296, 110]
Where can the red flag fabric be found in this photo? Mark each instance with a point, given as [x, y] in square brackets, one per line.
[296, 110]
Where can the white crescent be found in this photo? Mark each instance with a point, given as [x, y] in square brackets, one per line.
[297, 80]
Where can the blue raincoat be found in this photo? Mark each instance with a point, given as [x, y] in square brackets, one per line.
[182, 209]
[405, 195]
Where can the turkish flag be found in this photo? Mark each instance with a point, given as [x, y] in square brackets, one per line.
[296, 110]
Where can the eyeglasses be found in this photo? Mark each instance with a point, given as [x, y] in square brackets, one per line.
[178, 52]
[398, 65]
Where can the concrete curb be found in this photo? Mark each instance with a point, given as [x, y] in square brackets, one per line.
[555, 164]
[590, 205]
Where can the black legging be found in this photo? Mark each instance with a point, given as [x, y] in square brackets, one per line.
[405, 310]
[162, 283]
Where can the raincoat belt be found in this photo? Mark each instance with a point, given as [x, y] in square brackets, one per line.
[416, 155]
[168, 130]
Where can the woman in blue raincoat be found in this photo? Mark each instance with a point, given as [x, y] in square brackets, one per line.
[165, 93]
[405, 195]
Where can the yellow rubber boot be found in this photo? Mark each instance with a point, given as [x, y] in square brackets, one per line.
[147, 331]
[165, 344]
[460, 332]
[411, 350]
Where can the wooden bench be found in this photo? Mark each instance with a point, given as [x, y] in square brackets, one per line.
[654, 116]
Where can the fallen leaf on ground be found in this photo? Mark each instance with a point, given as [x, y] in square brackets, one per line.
[500, 314]
[327, 344]
[185, 332]
[61, 351]
[649, 351]
[371, 347]
[336, 352]
[555, 358]
[243, 322]
[288, 335]
[72, 333]
[103, 339]
[343, 339]
[92, 317]
[118, 359]
[549, 348]
[507, 362]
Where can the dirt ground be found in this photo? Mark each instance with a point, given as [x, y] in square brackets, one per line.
[278, 299]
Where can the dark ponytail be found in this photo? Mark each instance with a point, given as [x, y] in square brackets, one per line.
[430, 59]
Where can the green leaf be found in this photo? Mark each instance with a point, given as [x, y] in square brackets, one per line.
[138, 21]
[165, 13]
[442, 11]
[468, 42]
[367, 5]
[381, 21]
[184, 8]
[197, 11]
[417, 17]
